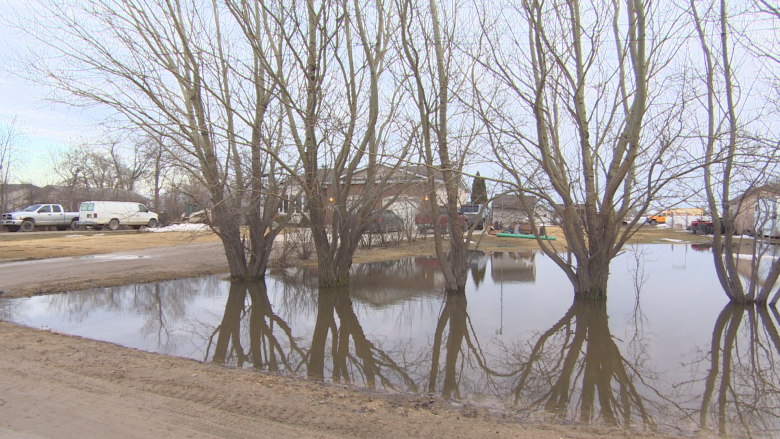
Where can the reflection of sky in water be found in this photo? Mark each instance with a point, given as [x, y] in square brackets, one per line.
[518, 297]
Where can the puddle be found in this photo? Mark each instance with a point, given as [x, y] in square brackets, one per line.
[665, 353]
[113, 257]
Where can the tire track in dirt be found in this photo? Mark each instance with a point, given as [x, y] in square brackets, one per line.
[129, 407]
[67, 387]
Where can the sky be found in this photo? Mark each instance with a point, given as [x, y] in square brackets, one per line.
[48, 126]
[52, 127]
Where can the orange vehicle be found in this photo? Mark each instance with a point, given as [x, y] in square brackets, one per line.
[658, 218]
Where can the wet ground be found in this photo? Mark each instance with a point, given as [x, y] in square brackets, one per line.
[664, 352]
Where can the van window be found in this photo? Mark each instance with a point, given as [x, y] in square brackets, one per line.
[142, 208]
[56, 209]
[45, 209]
[87, 207]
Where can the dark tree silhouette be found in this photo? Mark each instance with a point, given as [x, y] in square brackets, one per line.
[479, 190]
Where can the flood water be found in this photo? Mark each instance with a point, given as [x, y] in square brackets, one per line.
[665, 352]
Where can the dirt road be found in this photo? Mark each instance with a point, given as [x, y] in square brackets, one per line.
[119, 268]
[58, 386]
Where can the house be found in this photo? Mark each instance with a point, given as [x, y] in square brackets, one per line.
[406, 191]
[508, 209]
[756, 211]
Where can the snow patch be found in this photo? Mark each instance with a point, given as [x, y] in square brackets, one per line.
[180, 228]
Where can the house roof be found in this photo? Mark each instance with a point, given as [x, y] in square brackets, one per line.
[512, 201]
[769, 189]
[405, 174]
[14, 186]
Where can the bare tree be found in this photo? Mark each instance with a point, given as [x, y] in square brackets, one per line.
[734, 158]
[338, 116]
[172, 69]
[429, 46]
[13, 136]
[574, 92]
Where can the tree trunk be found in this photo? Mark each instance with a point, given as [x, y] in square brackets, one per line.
[592, 278]
[229, 231]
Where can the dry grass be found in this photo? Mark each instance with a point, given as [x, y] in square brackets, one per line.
[20, 246]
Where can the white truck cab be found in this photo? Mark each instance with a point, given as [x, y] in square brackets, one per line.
[39, 215]
[113, 214]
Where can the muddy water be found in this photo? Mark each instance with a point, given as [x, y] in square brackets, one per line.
[665, 352]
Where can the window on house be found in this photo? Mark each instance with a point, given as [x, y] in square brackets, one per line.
[297, 204]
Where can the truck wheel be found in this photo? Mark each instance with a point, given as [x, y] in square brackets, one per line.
[27, 226]
[74, 225]
[653, 222]
[113, 224]
[153, 223]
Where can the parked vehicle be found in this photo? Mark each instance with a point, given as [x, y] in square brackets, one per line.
[475, 213]
[705, 227]
[113, 214]
[386, 221]
[424, 221]
[40, 215]
[660, 218]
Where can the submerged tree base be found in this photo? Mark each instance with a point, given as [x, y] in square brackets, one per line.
[591, 295]
[248, 278]
[336, 282]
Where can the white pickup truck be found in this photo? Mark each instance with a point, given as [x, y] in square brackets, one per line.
[40, 215]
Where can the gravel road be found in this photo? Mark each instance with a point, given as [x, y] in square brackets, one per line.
[120, 268]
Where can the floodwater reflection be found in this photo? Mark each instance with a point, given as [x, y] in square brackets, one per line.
[575, 370]
[264, 329]
[741, 393]
[664, 353]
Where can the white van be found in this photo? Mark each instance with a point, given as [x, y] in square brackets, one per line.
[113, 214]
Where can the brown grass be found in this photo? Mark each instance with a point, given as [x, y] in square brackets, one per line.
[20, 246]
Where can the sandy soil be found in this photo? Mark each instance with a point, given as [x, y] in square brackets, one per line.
[54, 385]
[59, 386]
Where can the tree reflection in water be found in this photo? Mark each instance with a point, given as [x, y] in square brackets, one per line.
[576, 366]
[367, 361]
[265, 349]
[742, 384]
[453, 313]
[159, 304]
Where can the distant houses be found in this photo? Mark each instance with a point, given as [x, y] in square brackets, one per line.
[756, 210]
[406, 191]
[508, 209]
